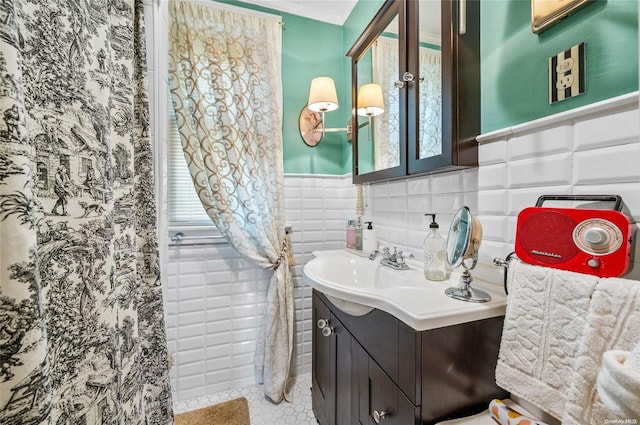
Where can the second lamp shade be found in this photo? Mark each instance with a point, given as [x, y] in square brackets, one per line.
[370, 101]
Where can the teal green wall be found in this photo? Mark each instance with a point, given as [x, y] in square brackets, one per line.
[514, 60]
[310, 49]
[357, 21]
[514, 68]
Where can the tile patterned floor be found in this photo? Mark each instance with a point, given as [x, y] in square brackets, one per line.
[261, 410]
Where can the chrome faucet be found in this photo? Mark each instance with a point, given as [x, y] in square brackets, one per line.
[393, 260]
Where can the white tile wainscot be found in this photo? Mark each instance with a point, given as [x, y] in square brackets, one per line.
[589, 150]
[214, 298]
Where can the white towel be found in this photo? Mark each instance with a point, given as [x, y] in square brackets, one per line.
[612, 324]
[543, 327]
[619, 383]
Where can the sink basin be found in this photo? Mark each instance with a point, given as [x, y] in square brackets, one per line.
[355, 272]
[358, 285]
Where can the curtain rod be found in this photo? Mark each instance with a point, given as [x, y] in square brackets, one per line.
[218, 5]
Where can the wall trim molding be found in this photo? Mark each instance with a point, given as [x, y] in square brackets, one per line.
[325, 176]
[608, 105]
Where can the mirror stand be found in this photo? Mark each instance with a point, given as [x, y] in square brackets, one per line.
[465, 292]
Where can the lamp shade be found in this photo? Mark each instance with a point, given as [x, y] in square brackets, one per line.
[370, 102]
[322, 95]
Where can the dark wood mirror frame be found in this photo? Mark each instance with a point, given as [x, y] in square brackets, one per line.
[460, 88]
[389, 10]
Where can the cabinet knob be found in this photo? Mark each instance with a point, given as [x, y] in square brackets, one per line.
[322, 323]
[378, 416]
[407, 77]
[328, 330]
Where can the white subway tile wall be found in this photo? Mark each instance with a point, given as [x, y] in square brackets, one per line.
[597, 153]
[214, 299]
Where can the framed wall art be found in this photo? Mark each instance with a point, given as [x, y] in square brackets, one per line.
[545, 13]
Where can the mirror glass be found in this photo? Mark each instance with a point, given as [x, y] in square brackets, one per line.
[459, 237]
[429, 132]
[379, 137]
[463, 241]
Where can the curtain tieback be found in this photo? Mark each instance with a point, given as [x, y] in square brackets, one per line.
[285, 252]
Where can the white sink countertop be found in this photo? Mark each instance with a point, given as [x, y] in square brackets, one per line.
[357, 285]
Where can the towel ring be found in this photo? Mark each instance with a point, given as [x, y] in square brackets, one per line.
[505, 265]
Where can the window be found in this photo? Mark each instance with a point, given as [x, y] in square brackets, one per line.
[185, 207]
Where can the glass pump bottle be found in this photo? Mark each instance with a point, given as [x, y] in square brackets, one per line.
[435, 262]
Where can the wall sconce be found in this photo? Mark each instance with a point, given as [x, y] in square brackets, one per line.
[322, 98]
[322, 95]
[370, 103]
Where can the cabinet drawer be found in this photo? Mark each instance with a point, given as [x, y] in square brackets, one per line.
[387, 404]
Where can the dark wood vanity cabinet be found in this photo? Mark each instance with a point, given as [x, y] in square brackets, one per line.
[375, 369]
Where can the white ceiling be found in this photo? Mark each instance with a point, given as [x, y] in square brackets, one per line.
[337, 11]
[332, 11]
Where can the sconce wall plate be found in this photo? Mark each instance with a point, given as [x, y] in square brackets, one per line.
[312, 128]
[545, 13]
[309, 121]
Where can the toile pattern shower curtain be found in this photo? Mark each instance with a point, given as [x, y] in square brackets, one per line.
[81, 320]
[226, 87]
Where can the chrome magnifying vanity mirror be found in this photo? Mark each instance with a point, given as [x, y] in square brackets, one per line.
[463, 242]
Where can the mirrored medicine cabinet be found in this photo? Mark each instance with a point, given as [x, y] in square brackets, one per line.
[424, 54]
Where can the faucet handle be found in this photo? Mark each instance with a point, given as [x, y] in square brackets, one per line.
[386, 250]
[401, 258]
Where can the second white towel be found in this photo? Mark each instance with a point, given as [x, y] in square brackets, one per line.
[612, 324]
[543, 327]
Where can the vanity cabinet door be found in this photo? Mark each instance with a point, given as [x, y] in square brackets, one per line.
[444, 99]
[323, 377]
[344, 374]
[333, 372]
[458, 369]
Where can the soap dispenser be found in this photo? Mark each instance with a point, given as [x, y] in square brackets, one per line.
[435, 263]
[369, 238]
[351, 234]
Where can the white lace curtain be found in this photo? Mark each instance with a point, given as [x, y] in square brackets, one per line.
[225, 82]
[387, 130]
[430, 130]
[386, 134]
